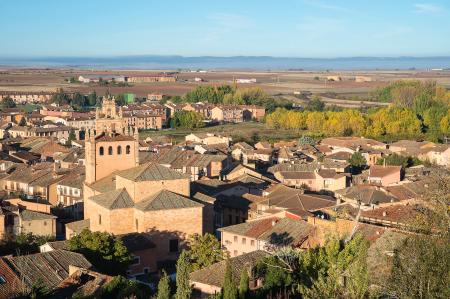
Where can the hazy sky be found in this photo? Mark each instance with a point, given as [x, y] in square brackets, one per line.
[296, 28]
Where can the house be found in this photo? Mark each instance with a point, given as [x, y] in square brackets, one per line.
[207, 138]
[265, 234]
[365, 196]
[227, 113]
[384, 175]
[70, 194]
[209, 280]
[292, 203]
[36, 223]
[317, 180]
[353, 143]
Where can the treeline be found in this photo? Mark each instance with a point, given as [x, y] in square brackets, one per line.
[187, 120]
[426, 115]
[226, 94]
[81, 102]
[76, 100]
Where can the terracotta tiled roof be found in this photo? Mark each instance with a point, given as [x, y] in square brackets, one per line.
[78, 226]
[379, 171]
[29, 215]
[214, 274]
[116, 199]
[151, 172]
[49, 267]
[298, 175]
[165, 200]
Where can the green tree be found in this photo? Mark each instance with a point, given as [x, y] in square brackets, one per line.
[163, 287]
[92, 99]
[71, 138]
[183, 288]
[229, 288]
[204, 251]
[187, 120]
[60, 98]
[397, 160]
[421, 263]
[106, 252]
[120, 287]
[243, 284]
[78, 101]
[357, 161]
[22, 122]
[120, 99]
[8, 102]
[316, 104]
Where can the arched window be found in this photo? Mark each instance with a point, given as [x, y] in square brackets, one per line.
[128, 149]
[119, 150]
[110, 150]
[101, 151]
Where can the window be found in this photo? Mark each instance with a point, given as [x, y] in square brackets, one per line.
[99, 219]
[136, 260]
[2, 279]
[45, 223]
[244, 240]
[110, 150]
[173, 245]
[101, 151]
[119, 150]
[235, 253]
[237, 219]
[128, 149]
[252, 242]
[230, 220]
[137, 225]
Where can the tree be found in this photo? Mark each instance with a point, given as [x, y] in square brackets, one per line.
[71, 138]
[229, 289]
[120, 99]
[243, 284]
[163, 287]
[421, 263]
[22, 122]
[204, 251]
[60, 98]
[8, 102]
[315, 104]
[105, 251]
[357, 161]
[92, 99]
[397, 160]
[120, 287]
[78, 101]
[183, 288]
[187, 120]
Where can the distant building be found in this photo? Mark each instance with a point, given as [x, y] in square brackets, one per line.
[98, 78]
[150, 78]
[246, 81]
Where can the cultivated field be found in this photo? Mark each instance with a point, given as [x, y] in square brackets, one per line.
[282, 83]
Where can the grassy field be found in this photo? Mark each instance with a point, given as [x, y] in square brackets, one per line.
[250, 132]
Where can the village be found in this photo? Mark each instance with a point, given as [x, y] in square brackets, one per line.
[65, 172]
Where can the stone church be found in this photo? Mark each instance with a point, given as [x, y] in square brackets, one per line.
[124, 197]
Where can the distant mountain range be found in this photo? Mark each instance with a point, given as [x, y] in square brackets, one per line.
[232, 62]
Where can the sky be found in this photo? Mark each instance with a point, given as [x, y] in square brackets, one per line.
[283, 28]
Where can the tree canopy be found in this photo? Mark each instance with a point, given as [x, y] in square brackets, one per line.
[204, 251]
[105, 251]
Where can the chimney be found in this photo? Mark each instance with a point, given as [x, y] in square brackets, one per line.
[384, 213]
[274, 222]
